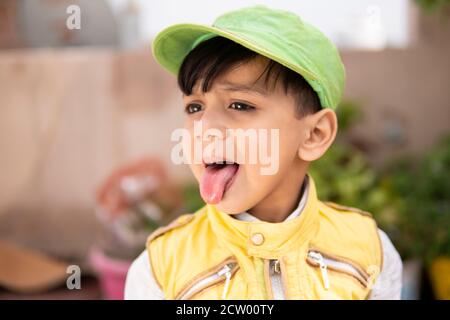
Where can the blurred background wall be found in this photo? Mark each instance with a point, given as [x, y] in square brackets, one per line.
[403, 92]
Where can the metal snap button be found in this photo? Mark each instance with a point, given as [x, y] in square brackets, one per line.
[257, 239]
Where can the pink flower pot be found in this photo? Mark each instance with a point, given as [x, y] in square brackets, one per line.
[112, 273]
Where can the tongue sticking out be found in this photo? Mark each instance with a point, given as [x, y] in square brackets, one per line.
[215, 181]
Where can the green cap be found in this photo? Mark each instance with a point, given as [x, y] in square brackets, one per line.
[276, 34]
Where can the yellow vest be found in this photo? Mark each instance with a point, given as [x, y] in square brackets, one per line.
[327, 252]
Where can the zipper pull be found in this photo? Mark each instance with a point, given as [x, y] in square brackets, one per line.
[276, 266]
[225, 271]
[317, 257]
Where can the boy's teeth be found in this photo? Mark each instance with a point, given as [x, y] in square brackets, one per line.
[219, 163]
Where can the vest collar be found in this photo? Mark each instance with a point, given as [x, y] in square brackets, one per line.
[265, 239]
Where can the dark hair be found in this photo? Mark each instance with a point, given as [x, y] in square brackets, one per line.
[217, 55]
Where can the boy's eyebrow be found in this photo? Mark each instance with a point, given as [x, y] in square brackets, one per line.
[229, 86]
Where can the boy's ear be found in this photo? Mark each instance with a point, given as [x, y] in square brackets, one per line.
[319, 132]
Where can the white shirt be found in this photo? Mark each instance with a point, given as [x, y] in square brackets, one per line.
[141, 284]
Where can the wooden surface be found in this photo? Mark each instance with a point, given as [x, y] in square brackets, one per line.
[90, 290]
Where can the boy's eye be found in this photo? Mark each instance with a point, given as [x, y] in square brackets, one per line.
[193, 107]
[241, 106]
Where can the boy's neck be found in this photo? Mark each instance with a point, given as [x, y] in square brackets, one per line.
[277, 206]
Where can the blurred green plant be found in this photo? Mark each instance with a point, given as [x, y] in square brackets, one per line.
[348, 113]
[192, 201]
[424, 209]
[433, 5]
[410, 199]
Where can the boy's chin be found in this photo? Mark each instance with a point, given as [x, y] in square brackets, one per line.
[231, 207]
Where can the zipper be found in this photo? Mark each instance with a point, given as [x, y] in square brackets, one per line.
[329, 262]
[320, 261]
[223, 273]
[276, 280]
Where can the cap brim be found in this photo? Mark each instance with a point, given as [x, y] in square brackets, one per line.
[174, 43]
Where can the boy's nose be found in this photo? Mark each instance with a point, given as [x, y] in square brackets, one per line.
[213, 125]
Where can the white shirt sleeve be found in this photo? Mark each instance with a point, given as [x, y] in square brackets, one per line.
[140, 283]
[388, 286]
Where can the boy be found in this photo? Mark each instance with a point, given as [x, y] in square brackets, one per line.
[261, 236]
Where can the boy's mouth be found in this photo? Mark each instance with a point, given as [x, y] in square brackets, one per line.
[216, 180]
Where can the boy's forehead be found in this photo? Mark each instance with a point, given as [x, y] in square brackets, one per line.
[244, 77]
